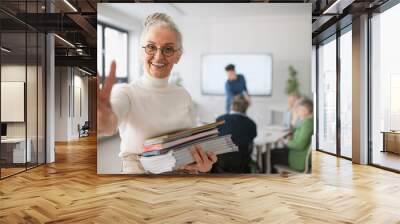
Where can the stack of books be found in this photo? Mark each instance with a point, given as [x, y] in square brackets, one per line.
[168, 152]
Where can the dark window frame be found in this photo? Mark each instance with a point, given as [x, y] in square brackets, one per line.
[379, 10]
[334, 37]
[387, 5]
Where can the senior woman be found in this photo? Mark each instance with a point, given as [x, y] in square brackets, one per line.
[150, 106]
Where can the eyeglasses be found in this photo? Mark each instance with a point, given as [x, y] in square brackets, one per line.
[167, 51]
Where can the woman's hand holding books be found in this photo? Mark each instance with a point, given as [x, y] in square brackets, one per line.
[204, 160]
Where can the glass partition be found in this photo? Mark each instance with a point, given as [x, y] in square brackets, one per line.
[31, 97]
[346, 94]
[22, 77]
[385, 89]
[327, 96]
[14, 153]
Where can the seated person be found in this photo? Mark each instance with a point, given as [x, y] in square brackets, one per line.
[294, 153]
[290, 117]
[243, 131]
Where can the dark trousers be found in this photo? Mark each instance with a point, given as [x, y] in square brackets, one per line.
[233, 162]
[278, 156]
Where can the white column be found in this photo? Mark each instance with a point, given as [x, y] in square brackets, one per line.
[50, 100]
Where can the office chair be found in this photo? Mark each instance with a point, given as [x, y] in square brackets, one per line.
[84, 130]
[282, 169]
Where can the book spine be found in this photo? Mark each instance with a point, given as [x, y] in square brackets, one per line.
[184, 156]
[183, 134]
[206, 144]
[152, 147]
[178, 142]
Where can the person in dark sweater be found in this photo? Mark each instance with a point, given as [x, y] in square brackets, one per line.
[243, 131]
[235, 85]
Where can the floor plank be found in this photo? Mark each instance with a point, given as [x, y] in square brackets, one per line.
[70, 191]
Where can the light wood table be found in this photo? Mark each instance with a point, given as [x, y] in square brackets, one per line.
[391, 141]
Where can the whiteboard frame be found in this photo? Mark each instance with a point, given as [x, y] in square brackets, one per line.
[24, 118]
[241, 53]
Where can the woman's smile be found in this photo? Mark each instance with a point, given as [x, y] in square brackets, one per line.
[158, 65]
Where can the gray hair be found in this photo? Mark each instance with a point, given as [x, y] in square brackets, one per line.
[307, 103]
[240, 104]
[160, 19]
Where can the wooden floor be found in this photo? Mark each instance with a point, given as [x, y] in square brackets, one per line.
[5, 172]
[70, 191]
[10, 171]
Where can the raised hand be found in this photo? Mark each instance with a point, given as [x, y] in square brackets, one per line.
[106, 119]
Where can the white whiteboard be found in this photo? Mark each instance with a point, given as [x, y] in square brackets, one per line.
[12, 101]
[256, 68]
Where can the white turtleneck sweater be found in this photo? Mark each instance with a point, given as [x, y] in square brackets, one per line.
[147, 108]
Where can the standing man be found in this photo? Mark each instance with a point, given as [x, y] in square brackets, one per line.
[235, 85]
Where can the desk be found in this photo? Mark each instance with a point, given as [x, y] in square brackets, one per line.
[265, 141]
[13, 150]
[391, 141]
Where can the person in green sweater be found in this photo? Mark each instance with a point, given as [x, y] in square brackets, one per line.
[295, 150]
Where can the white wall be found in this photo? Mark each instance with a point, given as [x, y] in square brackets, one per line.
[61, 103]
[81, 84]
[286, 37]
[65, 97]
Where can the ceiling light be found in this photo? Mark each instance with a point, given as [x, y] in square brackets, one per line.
[5, 50]
[70, 5]
[86, 72]
[328, 10]
[338, 6]
[64, 40]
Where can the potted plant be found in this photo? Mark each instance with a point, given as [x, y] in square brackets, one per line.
[292, 84]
